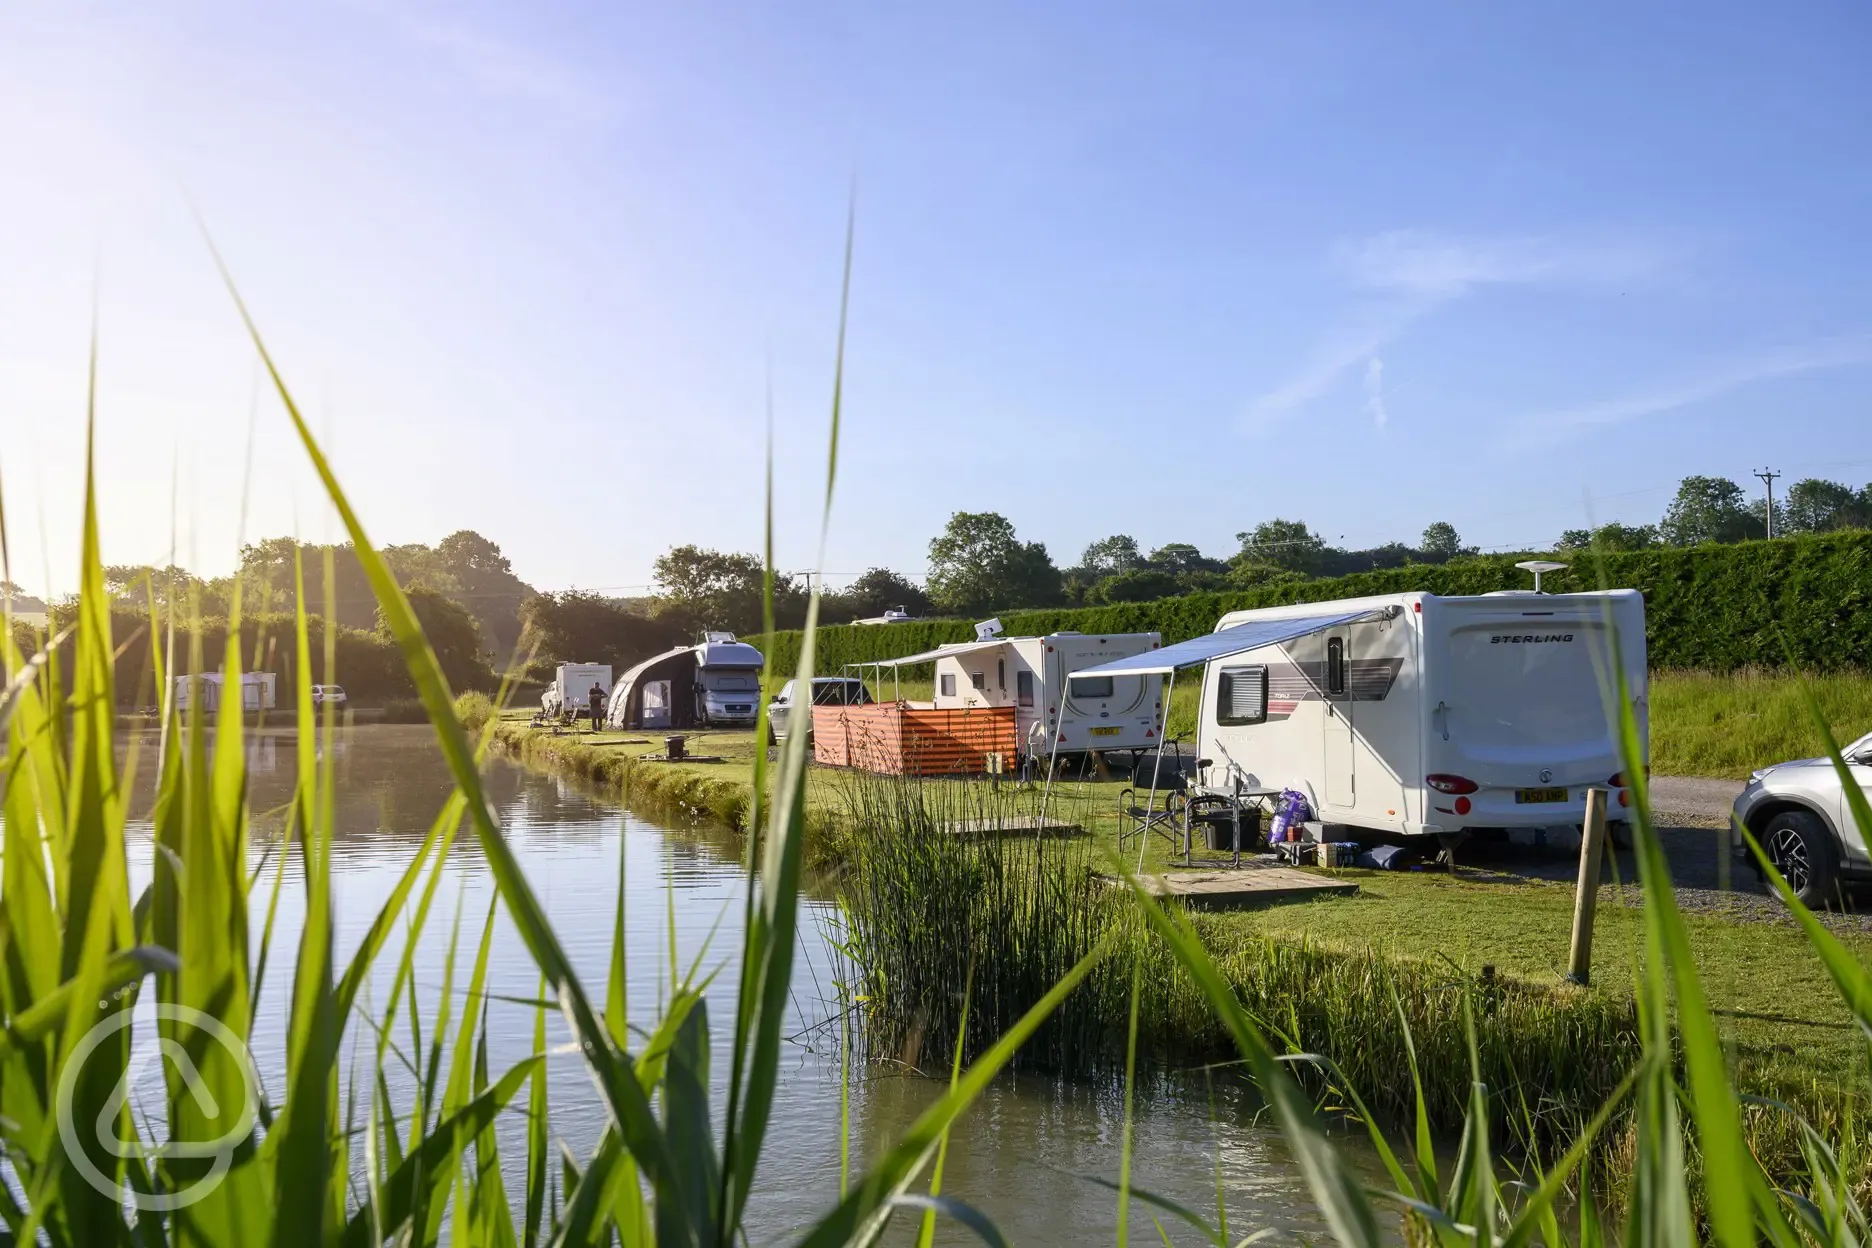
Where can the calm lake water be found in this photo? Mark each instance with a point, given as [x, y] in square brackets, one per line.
[1020, 1155]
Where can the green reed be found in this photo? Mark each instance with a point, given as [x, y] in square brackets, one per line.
[923, 909]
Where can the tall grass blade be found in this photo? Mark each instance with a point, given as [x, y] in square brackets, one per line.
[899, 1165]
[1733, 1182]
[611, 1068]
[768, 944]
[1336, 1190]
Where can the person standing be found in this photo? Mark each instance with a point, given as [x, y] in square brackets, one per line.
[595, 700]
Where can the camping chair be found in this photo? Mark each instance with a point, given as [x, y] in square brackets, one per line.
[1162, 809]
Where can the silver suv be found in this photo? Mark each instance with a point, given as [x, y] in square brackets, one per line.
[826, 691]
[1800, 813]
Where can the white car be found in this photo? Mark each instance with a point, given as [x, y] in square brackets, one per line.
[334, 694]
[826, 691]
[1800, 814]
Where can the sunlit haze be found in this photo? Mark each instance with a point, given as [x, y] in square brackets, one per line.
[1168, 270]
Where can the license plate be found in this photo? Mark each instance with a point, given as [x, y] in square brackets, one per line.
[1526, 797]
[1106, 732]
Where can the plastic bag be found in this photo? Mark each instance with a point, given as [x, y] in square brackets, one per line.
[1294, 810]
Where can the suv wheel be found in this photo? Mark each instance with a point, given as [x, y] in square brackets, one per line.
[1802, 850]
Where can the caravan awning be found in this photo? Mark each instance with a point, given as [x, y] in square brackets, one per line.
[1220, 645]
[930, 656]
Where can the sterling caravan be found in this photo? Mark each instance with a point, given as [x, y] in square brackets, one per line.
[1420, 715]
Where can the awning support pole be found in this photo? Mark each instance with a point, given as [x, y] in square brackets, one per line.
[1053, 755]
[1151, 801]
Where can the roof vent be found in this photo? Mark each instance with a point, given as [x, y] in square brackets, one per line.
[988, 630]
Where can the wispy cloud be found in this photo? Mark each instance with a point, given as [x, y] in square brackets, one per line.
[1375, 393]
[496, 64]
[1715, 380]
[1399, 277]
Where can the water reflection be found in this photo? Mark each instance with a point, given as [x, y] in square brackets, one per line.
[1020, 1155]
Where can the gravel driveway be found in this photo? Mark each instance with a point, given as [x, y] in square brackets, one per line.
[1693, 817]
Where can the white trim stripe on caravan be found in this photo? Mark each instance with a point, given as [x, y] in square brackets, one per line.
[1221, 644]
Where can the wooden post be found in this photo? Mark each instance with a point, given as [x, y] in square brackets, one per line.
[1586, 896]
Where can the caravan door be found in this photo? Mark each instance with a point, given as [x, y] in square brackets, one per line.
[1335, 685]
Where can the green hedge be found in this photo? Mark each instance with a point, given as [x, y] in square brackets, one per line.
[1718, 607]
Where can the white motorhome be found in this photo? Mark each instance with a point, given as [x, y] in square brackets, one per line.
[728, 672]
[570, 692]
[1055, 710]
[1421, 715]
[258, 690]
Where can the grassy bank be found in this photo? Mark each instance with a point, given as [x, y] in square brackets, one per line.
[1787, 1030]
[1369, 983]
[932, 919]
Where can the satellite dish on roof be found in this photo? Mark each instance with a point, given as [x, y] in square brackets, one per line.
[1538, 566]
[988, 630]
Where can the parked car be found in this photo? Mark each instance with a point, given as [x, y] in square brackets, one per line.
[334, 694]
[1801, 815]
[826, 691]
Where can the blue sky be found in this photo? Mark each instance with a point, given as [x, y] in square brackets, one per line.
[1167, 270]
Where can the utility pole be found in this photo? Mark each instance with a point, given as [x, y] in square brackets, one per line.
[1767, 477]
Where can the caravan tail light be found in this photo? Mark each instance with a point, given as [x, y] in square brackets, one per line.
[1624, 797]
[1618, 781]
[1451, 784]
[1462, 805]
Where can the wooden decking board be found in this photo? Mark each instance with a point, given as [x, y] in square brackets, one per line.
[1257, 886]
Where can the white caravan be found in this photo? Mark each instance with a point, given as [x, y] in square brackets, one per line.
[1035, 676]
[570, 692]
[1420, 715]
[258, 690]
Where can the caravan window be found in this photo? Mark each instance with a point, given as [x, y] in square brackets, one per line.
[948, 684]
[1335, 667]
[978, 680]
[1001, 674]
[1091, 686]
[1023, 688]
[1241, 696]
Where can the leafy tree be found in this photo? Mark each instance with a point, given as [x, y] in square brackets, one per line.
[579, 627]
[453, 635]
[712, 589]
[1816, 506]
[1708, 509]
[1610, 536]
[483, 580]
[1285, 544]
[1111, 555]
[19, 599]
[1183, 557]
[1440, 542]
[871, 595]
[978, 565]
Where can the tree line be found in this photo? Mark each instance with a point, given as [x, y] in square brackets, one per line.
[1716, 509]
[481, 616]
